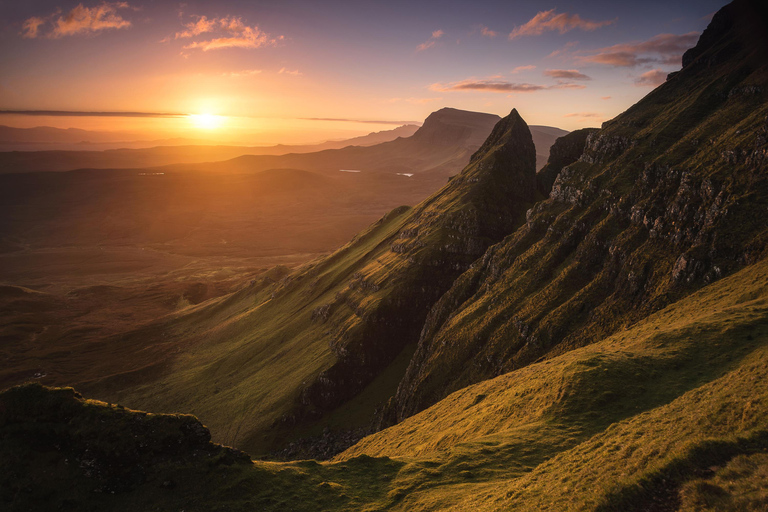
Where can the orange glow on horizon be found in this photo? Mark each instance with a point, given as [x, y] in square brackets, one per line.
[206, 121]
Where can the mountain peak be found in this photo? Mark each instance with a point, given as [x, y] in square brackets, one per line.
[743, 20]
[454, 127]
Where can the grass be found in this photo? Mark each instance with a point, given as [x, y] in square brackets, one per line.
[672, 412]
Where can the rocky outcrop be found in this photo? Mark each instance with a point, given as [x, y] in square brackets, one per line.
[564, 151]
[669, 196]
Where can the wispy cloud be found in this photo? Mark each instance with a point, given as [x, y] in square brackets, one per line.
[523, 68]
[549, 20]
[285, 71]
[605, 97]
[429, 43]
[585, 115]
[487, 86]
[201, 26]
[498, 85]
[80, 113]
[243, 73]
[31, 27]
[488, 32]
[232, 32]
[80, 20]
[566, 74]
[653, 78]
[365, 121]
[664, 49]
[564, 50]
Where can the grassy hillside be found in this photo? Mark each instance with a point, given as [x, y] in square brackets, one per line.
[667, 197]
[671, 414]
[326, 345]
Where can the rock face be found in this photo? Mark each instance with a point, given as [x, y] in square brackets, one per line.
[664, 199]
[565, 151]
[383, 307]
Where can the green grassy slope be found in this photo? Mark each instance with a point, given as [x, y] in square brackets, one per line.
[260, 366]
[671, 414]
[669, 196]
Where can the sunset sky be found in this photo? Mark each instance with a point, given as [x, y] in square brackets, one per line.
[304, 71]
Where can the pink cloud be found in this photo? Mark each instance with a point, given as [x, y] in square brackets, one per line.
[31, 27]
[523, 68]
[437, 34]
[653, 78]
[487, 85]
[488, 32]
[80, 20]
[497, 84]
[195, 28]
[233, 31]
[549, 21]
[663, 49]
[566, 74]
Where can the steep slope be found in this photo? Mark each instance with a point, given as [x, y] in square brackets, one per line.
[671, 414]
[564, 151]
[669, 196]
[276, 357]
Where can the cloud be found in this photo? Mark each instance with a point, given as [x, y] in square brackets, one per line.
[79, 113]
[242, 73]
[564, 49]
[523, 68]
[605, 97]
[661, 49]
[80, 20]
[429, 43]
[285, 71]
[488, 32]
[567, 85]
[492, 85]
[585, 115]
[566, 74]
[653, 78]
[31, 27]
[549, 20]
[195, 28]
[365, 121]
[233, 32]
[497, 84]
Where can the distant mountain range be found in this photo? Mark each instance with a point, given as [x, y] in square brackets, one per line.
[443, 144]
[47, 138]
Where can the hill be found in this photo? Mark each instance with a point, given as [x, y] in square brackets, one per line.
[690, 433]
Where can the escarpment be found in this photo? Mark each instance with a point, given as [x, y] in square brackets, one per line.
[666, 198]
[383, 306]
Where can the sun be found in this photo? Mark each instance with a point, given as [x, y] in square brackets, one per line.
[206, 121]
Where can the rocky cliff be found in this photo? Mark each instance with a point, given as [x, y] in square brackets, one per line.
[666, 198]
